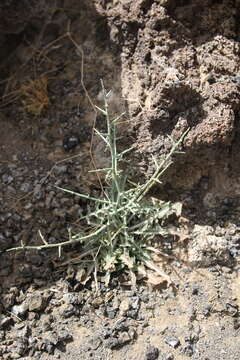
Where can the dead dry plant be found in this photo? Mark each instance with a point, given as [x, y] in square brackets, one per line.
[34, 95]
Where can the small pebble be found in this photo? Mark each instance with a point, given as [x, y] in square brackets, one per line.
[152, 353]
[172, 341]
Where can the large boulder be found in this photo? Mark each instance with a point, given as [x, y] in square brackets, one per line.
[180, 69]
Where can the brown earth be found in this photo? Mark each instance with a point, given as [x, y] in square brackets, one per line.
[171, 65]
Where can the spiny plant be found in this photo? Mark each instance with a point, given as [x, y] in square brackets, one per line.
[125, 221]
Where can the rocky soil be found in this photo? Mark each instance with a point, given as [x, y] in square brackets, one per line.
[171, 65]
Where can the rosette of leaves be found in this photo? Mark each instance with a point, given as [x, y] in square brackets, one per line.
[124, 221]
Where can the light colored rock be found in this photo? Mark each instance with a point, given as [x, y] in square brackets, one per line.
[206, 249]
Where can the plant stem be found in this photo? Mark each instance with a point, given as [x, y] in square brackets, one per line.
[160, 169]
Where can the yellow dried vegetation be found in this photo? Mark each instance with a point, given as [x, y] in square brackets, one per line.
[34, 95]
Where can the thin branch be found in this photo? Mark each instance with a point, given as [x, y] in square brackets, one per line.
[72, 241]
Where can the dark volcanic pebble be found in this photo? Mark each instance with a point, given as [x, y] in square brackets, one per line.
[152, 353]
[70, 142]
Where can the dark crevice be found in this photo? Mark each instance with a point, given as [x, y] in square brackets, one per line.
[146, 6]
